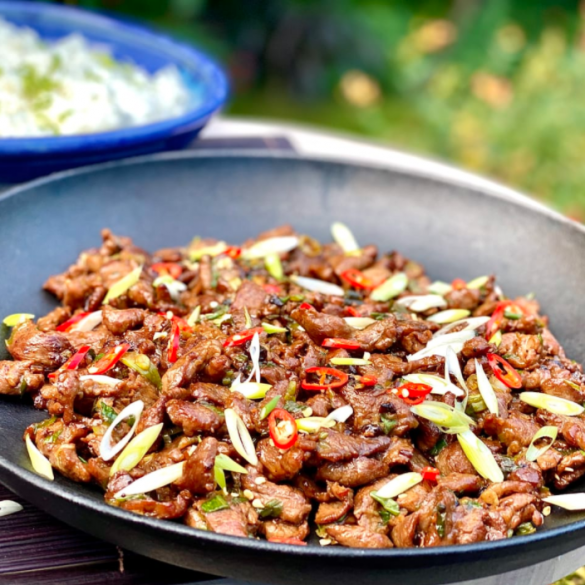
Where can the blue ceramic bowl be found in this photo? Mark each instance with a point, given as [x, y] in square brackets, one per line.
[26, 158]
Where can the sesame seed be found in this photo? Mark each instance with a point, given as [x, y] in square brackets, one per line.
[325, 542]
[214, 304]
[546, 511]
[260, 480]
[569, 469]
[249, 494]
[257, 503]
[234, 494]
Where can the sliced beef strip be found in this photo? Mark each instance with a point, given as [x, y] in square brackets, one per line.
[337, 446]
[50, 349]
[120, 321]
[358, 537]
[198, 475]
[194, 418]
[320, 326]
[19, 377]
[279, 465]
[278, 531]
[354, 473]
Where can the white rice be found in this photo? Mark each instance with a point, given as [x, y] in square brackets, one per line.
[69, 87]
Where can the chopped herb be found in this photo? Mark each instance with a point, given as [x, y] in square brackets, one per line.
[297, 298]
[82, 459]
[268, 408]
[388, 423]
[107, 413]
[379, 316]
[439, 446]
[53, 438]
[23, 387]
[384, 515]
[45, 423]
[272, 509]
[524, 529]
[388, 504]
[476, 403]
[470, 504]
[212, 407]
[511, 315]
[539, 335]
[294, 407]
[214, 504]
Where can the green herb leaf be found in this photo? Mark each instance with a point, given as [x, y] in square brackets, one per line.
[214, 504]
[272, 509]
[388, 504]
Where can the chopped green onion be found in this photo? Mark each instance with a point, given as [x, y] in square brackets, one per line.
[315, 285]
[221, 319]
[573, 385]
[450, 419]
[480, 457]
[525, 529]
[390, 288]
[312, 424]
[553, 404]
[399, 485]
[343, 361]
[486, 390]
[219, 476]
[496, 338]
[421, 303]
[272, 509]
[193, 318]
[534, 452]
[452, 366]
[136, 449]
[359, 322]
[449, 316]
[152, 481]
[8, 507]
[214, 504]
[17, 318]
[251, 390]
[388, 423]
[439, 446]
[133, 410]
[572, 502]
[248, 318]
[440, 288]
[271, 329]
[478, 282]
[476, 403]
[39, 462]
[263, 248]
[344, 238]
[268, 408]
[141, 363]
[240, 436]
[107, 413]
[388, 504]
[228, 464]
[212, 251]
[274, 266]
[123, 285]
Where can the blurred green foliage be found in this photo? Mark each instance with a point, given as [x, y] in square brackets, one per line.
[492, 85]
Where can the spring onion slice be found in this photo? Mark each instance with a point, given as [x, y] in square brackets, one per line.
[263, 248]
[271, 329]
[448, 338]
[450, 419]
[553, 404]
[449, 316]
[100, 379]
[496, 338]
[152, 481]
[486, 390]
[17, 318]
[342, 361]
[439, 346]
[107, 450]
[440, 288]
[452, 366]
[248, 319]
[480, 457]
[571, 502]
[439, 385]
[320, 286]
[359, 322]
[88, 323]
[141, 363]
[255, 356]
[312, 424]
[251, 390]
[274, 266]
[478, 282]
[219, 476]
[228, 464]
[124, 284]
[340, 414]
[212, 251]
[390, 288]
[240, 436]
[399, 485]
[419, 303]
[193, 318]
[136, 449]
[39, 462]
[175, 287]
[533, 452]
[470, 324]
[344, 238]
[8, 507]
[268, 408]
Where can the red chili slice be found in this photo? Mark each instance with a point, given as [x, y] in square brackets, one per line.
[458, 284]
[339, 378]
[70, 322]
[242, 337]
[338, 343]
[233, 252]
[109, 360]
[283, 428]
[352, 311]
[357, 279]
[412, 393]
[504, 372]
[430, 473]
[173, 269]
[496, 320]
[368, 380]
[173, 350]
[306, 306]
[272, 289]
[73, 362]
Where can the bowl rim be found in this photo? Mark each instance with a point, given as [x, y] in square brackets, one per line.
[194, 118]
[65, 491]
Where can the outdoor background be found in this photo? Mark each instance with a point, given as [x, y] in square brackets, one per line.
[494, 86]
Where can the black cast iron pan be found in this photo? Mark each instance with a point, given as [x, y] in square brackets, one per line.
[452, 227]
